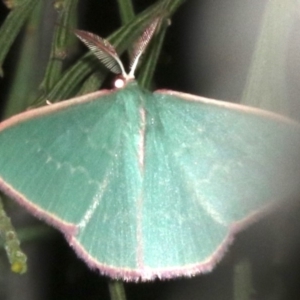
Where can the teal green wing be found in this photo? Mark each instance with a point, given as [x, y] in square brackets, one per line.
[210, 168]
[144, 185]
[75, 165]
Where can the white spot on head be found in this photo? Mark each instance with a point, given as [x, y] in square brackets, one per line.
[119, 83]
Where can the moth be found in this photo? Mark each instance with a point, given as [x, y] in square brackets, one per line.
[147, 185]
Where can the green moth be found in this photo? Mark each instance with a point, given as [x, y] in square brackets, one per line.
[146, 185]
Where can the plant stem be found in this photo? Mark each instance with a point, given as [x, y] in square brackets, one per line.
[242, 280]
[66, 11]
[13, 24]
[25, 81]
[116, 290]
[126, 11]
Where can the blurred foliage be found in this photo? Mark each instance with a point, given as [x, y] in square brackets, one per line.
[266, 85]
[16, 256]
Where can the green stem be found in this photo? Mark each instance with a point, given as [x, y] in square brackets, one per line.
[25, 78]
[92, 83]
[116, 290]
[243, 280]
[12, 26]
[67, 10]
[127, 14]
[126, 11]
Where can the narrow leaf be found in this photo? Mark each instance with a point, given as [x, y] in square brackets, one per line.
[29, 64]
[127, 14]
[126, 11]
[12, 26]
[67, 13]
[91, 83]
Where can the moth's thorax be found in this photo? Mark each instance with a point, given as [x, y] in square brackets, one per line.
[131, 92]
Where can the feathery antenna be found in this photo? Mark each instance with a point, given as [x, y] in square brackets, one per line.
[107, 54]
[103, 50]
[141, 45]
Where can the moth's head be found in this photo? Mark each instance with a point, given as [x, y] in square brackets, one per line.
[108, 55]
[120, 81]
